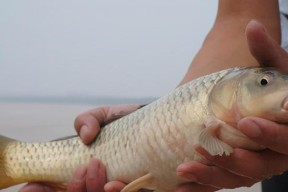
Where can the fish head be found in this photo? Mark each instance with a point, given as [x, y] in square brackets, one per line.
[263, 93]
[259, 92]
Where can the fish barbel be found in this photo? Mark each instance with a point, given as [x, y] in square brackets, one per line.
[144, 148]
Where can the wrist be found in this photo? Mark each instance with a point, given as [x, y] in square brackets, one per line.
[225, 46]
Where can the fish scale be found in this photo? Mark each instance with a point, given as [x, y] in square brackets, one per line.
[145, 147]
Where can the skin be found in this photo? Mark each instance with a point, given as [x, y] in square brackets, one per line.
[225, 45]
[221, 49]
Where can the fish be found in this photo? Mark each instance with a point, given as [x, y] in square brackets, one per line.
[144, 148]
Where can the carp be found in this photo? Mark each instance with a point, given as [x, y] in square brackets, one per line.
[144, 148]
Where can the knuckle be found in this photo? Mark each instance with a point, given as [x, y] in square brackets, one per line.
[80, 117]
[77, 120]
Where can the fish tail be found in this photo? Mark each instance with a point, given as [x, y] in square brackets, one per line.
[5, 180]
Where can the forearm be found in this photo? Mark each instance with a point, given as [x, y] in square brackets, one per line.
[242, 11]
[225, 45]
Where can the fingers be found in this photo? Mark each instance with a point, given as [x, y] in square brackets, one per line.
[89, 179]
[35, 187]
[254, 165]
[114, 186]
[78, 182]
[96, 176]
[213, 176]
[88, 124]
[195, 187]
[264, 48]
[267, 133]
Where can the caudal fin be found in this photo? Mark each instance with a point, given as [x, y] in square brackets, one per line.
[5, 180]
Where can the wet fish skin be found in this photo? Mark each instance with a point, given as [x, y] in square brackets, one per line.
[145, 147]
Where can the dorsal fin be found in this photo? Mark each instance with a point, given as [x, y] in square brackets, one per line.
[65, 138]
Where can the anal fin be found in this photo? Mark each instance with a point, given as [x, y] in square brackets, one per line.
[139, 183]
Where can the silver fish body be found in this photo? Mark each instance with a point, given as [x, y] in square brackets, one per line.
[145, 147]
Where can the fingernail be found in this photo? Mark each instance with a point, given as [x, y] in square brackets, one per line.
[254, 22]
[84, 131]
[251, 129]
[79, 174]
[187, 176]
[183, 171]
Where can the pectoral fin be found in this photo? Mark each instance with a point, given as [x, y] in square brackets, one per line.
[139, 183]
[211, 143]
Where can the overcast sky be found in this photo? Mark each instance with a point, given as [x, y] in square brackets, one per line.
[121, 48]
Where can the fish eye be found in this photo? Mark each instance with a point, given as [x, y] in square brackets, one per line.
[264, 81]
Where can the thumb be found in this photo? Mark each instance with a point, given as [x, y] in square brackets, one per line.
[264, 48]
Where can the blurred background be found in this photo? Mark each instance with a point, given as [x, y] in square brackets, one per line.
[110, 48]
[60, 58]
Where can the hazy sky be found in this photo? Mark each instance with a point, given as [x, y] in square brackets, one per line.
[126, 48]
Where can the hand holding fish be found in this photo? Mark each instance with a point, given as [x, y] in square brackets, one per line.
[252, 166]
[235, 168]
[91, 178]
[91, 121]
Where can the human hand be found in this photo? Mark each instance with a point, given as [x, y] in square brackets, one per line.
[91, 122]
[36, 187]
[88, 124]
[242, 167]
[91, 177]
[88, 178]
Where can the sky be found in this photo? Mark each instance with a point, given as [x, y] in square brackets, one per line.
[115, 48]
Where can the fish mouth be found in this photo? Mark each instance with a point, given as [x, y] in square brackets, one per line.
[285, 104]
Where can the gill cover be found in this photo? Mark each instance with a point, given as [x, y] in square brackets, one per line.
[224, 96]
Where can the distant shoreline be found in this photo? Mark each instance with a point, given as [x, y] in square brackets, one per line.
[76, 100]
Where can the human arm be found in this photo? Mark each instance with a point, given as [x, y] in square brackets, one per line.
[225, 45]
